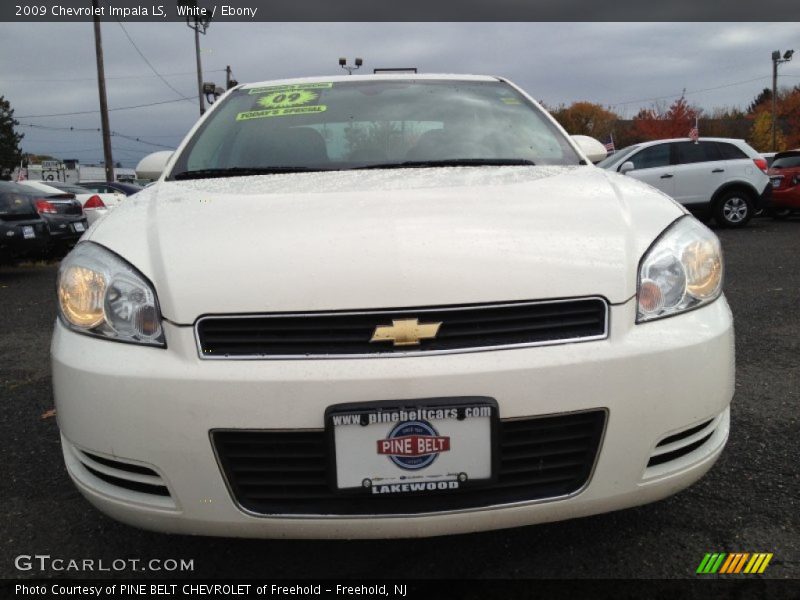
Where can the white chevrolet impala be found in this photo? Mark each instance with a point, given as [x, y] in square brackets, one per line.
[385, 306]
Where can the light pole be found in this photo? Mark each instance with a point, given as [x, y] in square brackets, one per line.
[776, 60]
[349, 68]
[197, 18]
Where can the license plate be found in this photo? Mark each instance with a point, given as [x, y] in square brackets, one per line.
[422, 446]
[28, 232]
[79, 227]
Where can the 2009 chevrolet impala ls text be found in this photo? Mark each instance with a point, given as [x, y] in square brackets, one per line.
[384, 306]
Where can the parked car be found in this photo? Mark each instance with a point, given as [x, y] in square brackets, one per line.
[104, 187]
[768, 156]
[785, 177]
[94, 205]
[403, 305]
[62, 215]
[719, 177]
[23, 233]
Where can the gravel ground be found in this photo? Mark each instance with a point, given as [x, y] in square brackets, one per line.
[748, 502]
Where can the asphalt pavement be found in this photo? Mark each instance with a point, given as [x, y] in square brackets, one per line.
[748, 502]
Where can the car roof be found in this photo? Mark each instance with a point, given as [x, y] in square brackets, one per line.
[688, 139]
[375, 77]
[787, 153]
[40, 185]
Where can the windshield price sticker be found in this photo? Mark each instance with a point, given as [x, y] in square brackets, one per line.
[285, 101]
[291, 88]
[280, 112]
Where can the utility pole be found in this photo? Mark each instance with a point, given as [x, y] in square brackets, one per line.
[101, 87]
[228, 77]
[197, 18]
[199, 67]
[776, 60]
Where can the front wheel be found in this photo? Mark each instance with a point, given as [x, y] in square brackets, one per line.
[733, 209]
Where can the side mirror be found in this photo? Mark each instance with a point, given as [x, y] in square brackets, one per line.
[153, 165]
[626, 166]
[594, 150]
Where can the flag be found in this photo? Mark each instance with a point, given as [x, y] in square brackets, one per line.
[694, 132]
[20, 174]
[610, 143]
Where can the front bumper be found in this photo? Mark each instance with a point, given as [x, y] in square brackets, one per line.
[154, 408]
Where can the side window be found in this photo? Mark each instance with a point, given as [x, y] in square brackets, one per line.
[654, 156]
[689, 152]
[730, 152]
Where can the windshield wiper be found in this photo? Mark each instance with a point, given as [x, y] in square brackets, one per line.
[241, 172]
[453, 162]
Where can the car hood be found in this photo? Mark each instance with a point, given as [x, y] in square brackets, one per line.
[387, 238]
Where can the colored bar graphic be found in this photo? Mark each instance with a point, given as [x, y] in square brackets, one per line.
[741, 562]
[732, 558]
[733, 563]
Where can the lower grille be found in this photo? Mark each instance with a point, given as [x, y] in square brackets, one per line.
[683, 443]
[286, 472]
[134, 478]
[350, 333]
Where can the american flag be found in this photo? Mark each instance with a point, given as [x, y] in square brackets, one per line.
[694, 132]
[610, 143]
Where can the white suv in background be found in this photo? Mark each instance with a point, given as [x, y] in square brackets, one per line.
[719, 177]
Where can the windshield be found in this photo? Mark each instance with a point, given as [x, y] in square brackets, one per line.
[787, 162]
[372, 124]
[15, 200]
[614, 158]
[65, 187]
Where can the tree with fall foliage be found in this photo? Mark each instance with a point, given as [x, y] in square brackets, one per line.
[675, 122]
[586, 118]
[787, 130]
[761, 134]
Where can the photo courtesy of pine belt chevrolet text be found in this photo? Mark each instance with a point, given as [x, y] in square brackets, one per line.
[391, 305]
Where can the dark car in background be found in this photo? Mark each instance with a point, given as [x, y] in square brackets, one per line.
[104, 187]
[62, 214]
[23, 232]
[785, 177]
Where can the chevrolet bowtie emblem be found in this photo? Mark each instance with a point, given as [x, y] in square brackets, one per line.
[405, 332]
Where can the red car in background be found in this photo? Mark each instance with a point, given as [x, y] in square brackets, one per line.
[784, 174]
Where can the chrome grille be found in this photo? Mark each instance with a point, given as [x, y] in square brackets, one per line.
[463, 329]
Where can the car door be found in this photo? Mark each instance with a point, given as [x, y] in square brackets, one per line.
[652, 165]
[699, 172]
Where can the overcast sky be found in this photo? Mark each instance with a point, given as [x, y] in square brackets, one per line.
[50, 67]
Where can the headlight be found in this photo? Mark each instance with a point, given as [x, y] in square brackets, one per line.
[681, 270]
[102, 295]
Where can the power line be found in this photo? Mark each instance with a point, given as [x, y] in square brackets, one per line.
[97, 130]
[666, 97]
[147, 62]
[74, 79]
[92, 112]
[90, 130]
